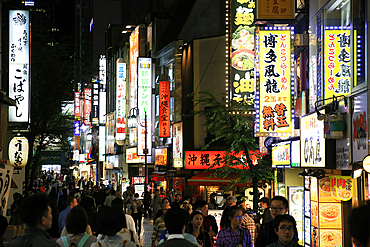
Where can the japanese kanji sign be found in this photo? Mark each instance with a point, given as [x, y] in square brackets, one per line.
[87, 106]
[144, 104]
[19, 89]
[241, 86]
[204, 159]
[337, 62]
[341, 187]
[77, 106]
[164, 109]
[161, 156]
[134, 54]
[177, 148]
[18, 151]
[102, 89]
[275, 9]
[95, 103]
[121, 100]
[274, 115]
[281, 154]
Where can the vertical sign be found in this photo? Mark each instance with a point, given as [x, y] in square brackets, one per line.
[87, 106]
[121, 100]
[164, 109]
[242, 52]
[6, 178]
[337, 62]
[101, 143]
[144, 71]
[95, 103]
[178, 186]
[77, 106]
[275, 115]
[19, 89]
[177, 151]
[18, 151]
[77, 128]
[134, 54]
[102, 89]
[359, 128]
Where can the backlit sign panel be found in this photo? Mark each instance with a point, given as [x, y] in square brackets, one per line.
[19, 88]
[134, 54]
[87, 106]
[101, 143]
[161, 156]
[121, 101]
[275, 10]
[132, 157]
[274, 114]
[144, 71]
[77, 129]
[77, 106]
[281, 154]
[164, 109]
[95, 103]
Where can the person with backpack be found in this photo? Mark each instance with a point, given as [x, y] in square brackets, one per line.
[76, 224]
[136, 213]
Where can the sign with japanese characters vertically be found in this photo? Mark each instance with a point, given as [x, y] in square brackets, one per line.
[164, 109]
[144, 89]
[337, 62]
[95, 103]
[87, 106]
[102, 89]
[77, 106]
[134, 54]
[242, 51]
[18, 151]
[275, 115]
[177, 147]
[19, 57]
[121, 100]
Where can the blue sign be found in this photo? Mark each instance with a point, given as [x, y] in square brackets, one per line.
[77, 128]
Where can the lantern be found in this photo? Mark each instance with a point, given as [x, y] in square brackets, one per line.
[18, 151]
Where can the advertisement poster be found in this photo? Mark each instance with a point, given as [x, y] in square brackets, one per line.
[5, 178]
[330, 215]
[314, 236]
[307, 231]
[341, 187]
[330, 238]
[281, 154]
[325, 191]
[295, 208]
[139, 188]
[307, 203]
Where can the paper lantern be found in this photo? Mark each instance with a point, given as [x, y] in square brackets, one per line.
[18, 151]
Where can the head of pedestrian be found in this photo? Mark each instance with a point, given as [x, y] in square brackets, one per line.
[136, 196]
[178, 197]
[156, 192]
[264, 202]
[231, 201]
[77, 220]
[176, 220]
[359, 226]
[72, 201]
[165, 201]
[202, 206]
[109, 220]
[234, 217]
[284, 226]
[278, 206]
[35, 212]
[166, 208]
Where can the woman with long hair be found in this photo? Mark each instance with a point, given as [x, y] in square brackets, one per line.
[231, 233]
[195, 228]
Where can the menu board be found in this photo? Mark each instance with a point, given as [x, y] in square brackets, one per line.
[341, 187]
[330, 215]
[330, 237]
[325, 191]
[314, 189]
[295, 208]
[314, 214]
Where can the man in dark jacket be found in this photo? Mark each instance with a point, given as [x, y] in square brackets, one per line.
[36, 213]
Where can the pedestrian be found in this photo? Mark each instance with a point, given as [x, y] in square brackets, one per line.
[187, 206]
[36, 214]
[62, 201]
[233, 234]
[147, 201]
[76, 224]
[159, 225]
[15, 219]
[130, 223]
[136, 213]
[71, 202]
[284, 226]
[209, 221]
[176, 220]
[109, 222]
[267, 235]
[264, 203]
[247, 221]
[165, 201]
[230, 201]
[195, 227]
[52, 201]
[177, 203]
[157, 204]
[110, 198]
[3, 227]
[359, 226]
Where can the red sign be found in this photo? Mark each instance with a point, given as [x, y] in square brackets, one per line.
[161, 157]
[87, 106]
[138, 180]
[204, 159]
[77, 106]
[178, 186]
[164, 109]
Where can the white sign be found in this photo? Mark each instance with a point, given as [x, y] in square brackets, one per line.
[144, 85]
[101, 143]
[76, 155]
[177, 130]
[359, 128]
[18, 151]
[121, 101]
[312, 141]
[102, 89]
[102, 70]
[19, 65]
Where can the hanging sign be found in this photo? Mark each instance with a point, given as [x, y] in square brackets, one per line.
[121, 100]
[161, 156]
[87, 107]
[275, 115]
[164, 109]
[341, 187]
[77, 106]
[18, 151]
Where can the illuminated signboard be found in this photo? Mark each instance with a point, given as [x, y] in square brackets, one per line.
[76, 155]
[144, 104]
[337, 62]
[161, 156]
[164, 109]
[121, 100]
[77, 128]
[312, 141]
[132, 157]
[95, 103]
[295, 147]
[134, 54]
[19, 56]
[18, 151]
[359, 128]
[102, 89]
[281, 154]
[101, 143]
[240, 50]
[102, 69]
[273, 10]
[138, 180]
[274, 114]
[87, 106]
[177, 152]
[77, 106]
[204, 159]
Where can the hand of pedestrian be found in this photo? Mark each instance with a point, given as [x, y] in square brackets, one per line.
[211, 233]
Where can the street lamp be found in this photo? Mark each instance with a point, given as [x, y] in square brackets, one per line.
[132, 121]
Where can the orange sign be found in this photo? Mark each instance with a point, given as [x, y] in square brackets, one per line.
[164, 109]
[205, 159]
[277, 9]
[161, 157]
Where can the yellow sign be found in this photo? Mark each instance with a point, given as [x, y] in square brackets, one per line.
[341, 187]
[275, 9]
[281, 155]
[275, 85]
[337, 62]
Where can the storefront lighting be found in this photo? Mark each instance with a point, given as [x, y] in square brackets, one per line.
[366, 163]
[356, 170]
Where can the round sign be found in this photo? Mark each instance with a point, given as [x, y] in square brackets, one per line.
[18, 151]
[366, 163]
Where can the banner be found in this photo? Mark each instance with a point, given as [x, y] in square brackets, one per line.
[178, 186]
[6, 175]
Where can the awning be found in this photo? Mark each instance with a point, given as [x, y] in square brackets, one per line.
[203, 179]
